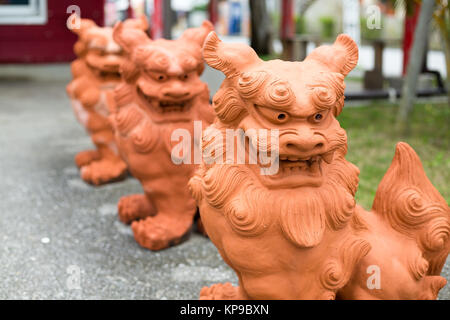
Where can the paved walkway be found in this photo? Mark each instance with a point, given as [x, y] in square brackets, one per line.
[53, 225]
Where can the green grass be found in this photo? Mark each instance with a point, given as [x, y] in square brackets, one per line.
[268, 57]
[372, 140]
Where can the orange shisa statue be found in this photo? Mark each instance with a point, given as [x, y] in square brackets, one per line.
[160, 94]
[297, 233]
[95, 72]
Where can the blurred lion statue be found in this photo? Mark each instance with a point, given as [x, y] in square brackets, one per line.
[298, 234]
[95, 72]
[161, 93]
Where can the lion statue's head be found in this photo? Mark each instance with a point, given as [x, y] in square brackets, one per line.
[163, 76]
[98, 53]
[314, 187]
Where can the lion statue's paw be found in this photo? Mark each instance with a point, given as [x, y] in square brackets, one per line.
[220, 291]
[161, 231]
[83, 158]
[103, 171]
[134, 207]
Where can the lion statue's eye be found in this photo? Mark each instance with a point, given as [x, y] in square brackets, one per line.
[273, 115]
[160, 77]
[318, 117]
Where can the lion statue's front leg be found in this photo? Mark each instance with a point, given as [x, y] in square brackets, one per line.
[108, 166]
[103, 164]
[157, 220]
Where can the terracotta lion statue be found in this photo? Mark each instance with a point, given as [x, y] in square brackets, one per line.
[95, 72]
[161, 92]
[298, 233]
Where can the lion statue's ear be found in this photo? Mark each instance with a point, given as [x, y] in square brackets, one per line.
[129, 38]
[85, 24]
[231, 59]
[140, 23]
[198, 35]
[341, 57]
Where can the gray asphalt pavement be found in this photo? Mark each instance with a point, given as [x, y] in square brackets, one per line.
[60, 238]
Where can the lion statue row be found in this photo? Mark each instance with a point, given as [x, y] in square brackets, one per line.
[281, 211]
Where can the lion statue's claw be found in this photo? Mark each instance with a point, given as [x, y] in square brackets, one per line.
[134, 207]
[103, 171]
[220, 291]
[161, 231]
[83, 158]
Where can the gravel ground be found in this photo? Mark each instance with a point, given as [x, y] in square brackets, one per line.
[61, 238]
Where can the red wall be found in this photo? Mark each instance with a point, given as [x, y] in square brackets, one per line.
[52, 42]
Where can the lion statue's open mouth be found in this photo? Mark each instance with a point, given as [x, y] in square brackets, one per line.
[106, 75]
[167, 110]
[295, 172]
[105, 65]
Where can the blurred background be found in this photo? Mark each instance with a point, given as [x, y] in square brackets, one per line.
[398, 91]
